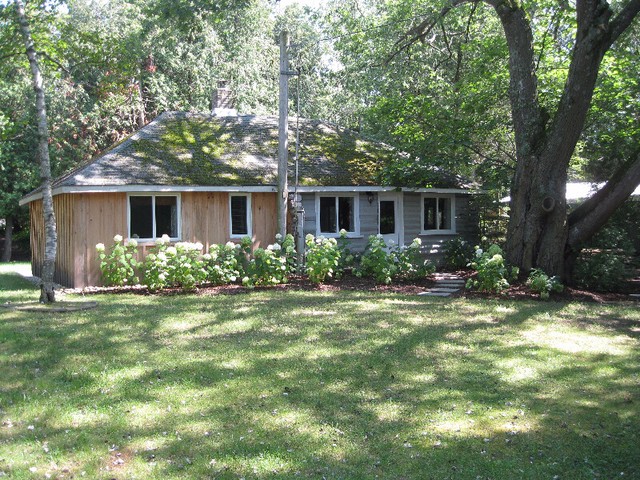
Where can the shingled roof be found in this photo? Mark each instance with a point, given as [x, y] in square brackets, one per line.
[187, 149]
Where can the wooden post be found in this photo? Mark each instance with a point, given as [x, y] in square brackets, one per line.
[283, 134]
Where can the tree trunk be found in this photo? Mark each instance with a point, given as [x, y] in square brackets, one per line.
[47, 293]
[538, 230]
[8, 236]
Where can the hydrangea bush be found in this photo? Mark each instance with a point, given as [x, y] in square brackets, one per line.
[493, 274]
[118, 264]
[322, 258]
[156, 265]
[387, 263]
[223, 263]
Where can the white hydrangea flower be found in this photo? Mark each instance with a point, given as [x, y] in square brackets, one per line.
[162, 277]
[198, 246]
[131, 242]
[278, 237]
[230, 245]
[343, 232]
[100, 247]
[162, 256]
[117, 238]
[172, 251]
[166, 238]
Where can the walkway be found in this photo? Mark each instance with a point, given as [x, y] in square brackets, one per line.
[446, 285]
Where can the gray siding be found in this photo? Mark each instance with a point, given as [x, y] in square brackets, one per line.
[466, 222]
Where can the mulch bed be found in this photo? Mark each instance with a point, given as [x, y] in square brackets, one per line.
[353, 283]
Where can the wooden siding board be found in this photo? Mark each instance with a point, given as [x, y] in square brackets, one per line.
[205, 217]
[264, 219]
[37, 237]
[98, 218]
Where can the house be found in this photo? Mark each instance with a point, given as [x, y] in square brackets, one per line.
[210, 179]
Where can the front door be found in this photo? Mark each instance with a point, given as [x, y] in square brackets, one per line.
[389, 218]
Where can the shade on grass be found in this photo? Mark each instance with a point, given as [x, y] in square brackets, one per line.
[314, 384]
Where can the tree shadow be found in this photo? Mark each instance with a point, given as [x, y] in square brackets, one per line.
[313, 385]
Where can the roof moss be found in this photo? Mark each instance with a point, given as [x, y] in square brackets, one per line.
[197, 149]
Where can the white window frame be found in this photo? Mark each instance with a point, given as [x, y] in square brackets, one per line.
[249, 218]
[356, 214]
[153, 213]
[452, 213]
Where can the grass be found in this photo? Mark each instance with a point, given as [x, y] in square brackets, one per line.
[318, 385]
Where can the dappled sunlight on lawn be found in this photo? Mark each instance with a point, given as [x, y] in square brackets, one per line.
[314, 384]
[576, 341]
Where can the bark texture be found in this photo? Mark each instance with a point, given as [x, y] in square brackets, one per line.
[47, 293]
[538, 229]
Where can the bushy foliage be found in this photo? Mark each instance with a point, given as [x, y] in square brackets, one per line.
[607, 263]
[411, 262]
[458, 253]
[493, 274]
[223, 263]
[322, 258]
[185, 267]
[271, 265]
[541, 283]
[118, 265]
[156, 266]
[385, 263]
[377, 261]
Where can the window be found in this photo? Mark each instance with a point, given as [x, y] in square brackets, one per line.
[151, 216]
[335, 213]
[438, 214]
[387, 217]
[240, 215]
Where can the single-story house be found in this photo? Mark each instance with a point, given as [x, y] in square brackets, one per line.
[210, 179]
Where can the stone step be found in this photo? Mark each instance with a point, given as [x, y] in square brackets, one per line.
[434, 294]
[448, 290]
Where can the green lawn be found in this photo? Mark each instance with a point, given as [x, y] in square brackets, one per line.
[318, 385]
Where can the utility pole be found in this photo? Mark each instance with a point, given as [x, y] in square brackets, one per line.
[283, 134]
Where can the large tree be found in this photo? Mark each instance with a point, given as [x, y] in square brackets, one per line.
[540, 232]
[47, 294]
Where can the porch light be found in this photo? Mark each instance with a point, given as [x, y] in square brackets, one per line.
[369, 197]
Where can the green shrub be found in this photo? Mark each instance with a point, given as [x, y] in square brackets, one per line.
[322, 258]
[385, 263]
[119, 263]
[493, 275]
[458, 253]
[543, 284]
[223, 263]
[185, 267]
[607, 263]
[288, 252]
[267, 267]
[411, 262]
[156, 265]
[602, 270]
[377, 261]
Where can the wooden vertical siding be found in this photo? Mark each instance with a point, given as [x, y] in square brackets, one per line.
[36, 237]
[87, 219]
[265, 221]
[63, 206]
[97, 218]
[205, 217]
